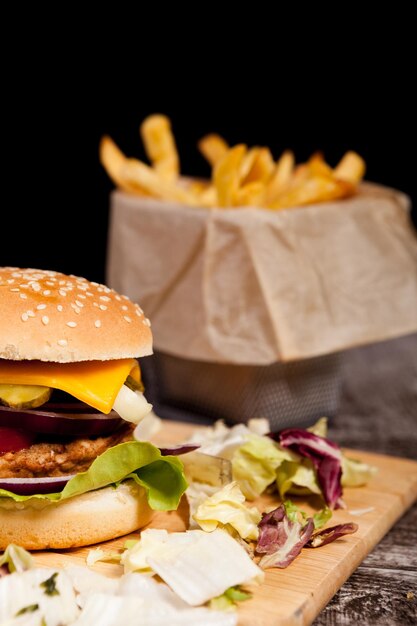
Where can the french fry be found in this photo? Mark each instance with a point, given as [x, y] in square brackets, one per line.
[113, 160]
[160, 146]
[311, 190]
[250, 194]
[213, 148]
[318, 166]
[226, 175]
[350, 168]
[261, 167]
[281, 177]
[240, 177]
[134, 172]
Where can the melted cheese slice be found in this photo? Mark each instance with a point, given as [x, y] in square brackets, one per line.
[96, 383]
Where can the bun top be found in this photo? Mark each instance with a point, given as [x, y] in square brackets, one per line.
[50, 316]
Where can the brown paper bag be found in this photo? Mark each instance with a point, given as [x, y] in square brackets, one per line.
[252, 286]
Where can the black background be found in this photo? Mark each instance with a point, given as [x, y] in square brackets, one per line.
[55, 194]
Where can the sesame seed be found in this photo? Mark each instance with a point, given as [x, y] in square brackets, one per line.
[10, 281]
[50, 283]
[118, 298]
[72, 324]
[103, 307]
[127, 318]
[62, 342]
[15, 289]
[138, 313]
[78, 303]
[97, 323]
[59, 307]
[124, 308]
[125, 297]
[46, 292]
[95, 284]
[61, 282]
[81, 295]
[88, 293]
[23, 296]
[146, 322]
[45, 320]
[40, 307]
[24, 317]
[95, 304]
[106, 290]
[76, 310]
[30, 313]
[36, 286]
[100, 289]
[62, 292]
[105, 298]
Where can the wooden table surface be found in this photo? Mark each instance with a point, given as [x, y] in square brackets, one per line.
[378, 412]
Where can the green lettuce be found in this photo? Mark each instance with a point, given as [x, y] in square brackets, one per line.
[16, 558]
[355, 473]
[162, 477]
[255, 463]
[229, 599]
[227, 506]
[298, 478]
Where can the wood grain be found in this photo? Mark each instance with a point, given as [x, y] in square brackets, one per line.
[296, 595]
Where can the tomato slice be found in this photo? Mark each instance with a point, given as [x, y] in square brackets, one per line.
[13, 440]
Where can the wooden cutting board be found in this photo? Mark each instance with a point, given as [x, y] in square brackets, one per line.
[295, 595]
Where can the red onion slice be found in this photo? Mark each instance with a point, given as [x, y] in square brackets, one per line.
[70, 420]
[179, 449]
[32, 486]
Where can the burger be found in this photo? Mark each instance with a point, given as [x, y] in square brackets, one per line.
[71, 471]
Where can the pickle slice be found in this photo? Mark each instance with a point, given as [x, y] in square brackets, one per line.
[134, 385]
[24, 396]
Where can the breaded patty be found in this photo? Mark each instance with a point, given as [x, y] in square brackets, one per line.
[59, 459]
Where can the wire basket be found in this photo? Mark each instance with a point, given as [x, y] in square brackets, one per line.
[288, 394]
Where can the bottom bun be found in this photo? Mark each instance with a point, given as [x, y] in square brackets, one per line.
[90, 518]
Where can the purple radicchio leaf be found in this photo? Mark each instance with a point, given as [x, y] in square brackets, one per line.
[331, 534]
[326, 457]
[281, 540]
[181, 448]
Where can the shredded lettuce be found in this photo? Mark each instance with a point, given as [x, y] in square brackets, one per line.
[162, 477]
[297, 478]
[228, 600]
[322, 517]
[227, 506]
[16, 559]
[319, 428]
[355, 473]
[255, 463]
[281, 539]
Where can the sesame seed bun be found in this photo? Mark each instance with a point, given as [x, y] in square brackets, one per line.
[49, 316]
[90, 518]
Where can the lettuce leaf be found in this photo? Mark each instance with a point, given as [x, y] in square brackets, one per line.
[16, 559]
[227, 506]
[326, 457]
[162, 477]
[281, 539]
[355, 473]
[229, 599]
[298, 478]
[254, 464]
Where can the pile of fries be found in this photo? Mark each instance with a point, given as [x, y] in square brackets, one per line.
[241, 176]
